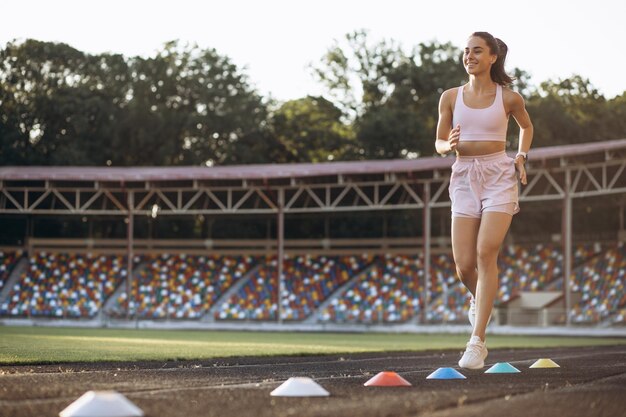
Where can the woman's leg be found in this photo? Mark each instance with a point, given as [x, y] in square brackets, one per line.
[493, 228]
[464, 242]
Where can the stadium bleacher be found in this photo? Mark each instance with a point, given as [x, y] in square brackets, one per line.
[308, 282]
[388, 292]
[527, 269]
[601, 284]
[8, 260]
[257, 299]
[374, 288]
[449, 296]
[180, 286]
[64, 285]
[619, 317]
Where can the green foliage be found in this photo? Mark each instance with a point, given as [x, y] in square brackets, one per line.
[573, 111]
[63, 107]
[193, 106]
[55, 104]
[615, 125]
[310, 130]
[390, 96]
[403, 124]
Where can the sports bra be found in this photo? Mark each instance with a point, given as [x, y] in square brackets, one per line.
[488, 124]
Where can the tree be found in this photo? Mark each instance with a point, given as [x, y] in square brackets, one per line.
[390, 96]
[356, 74]
[310, 130]
[616, 117]
[184, 106]
[56, 108]
[188, 106]
[568, 111]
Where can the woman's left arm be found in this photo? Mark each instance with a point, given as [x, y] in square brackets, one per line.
[517, 108]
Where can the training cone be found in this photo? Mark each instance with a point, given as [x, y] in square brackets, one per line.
[544, 363]
[101, 404]
[300, 387]
[446, 373]
[387, 379]
[502, 368]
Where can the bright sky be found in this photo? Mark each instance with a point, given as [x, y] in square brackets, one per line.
[275, 40]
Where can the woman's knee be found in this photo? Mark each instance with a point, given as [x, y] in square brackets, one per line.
[465, 270]
[487, 254]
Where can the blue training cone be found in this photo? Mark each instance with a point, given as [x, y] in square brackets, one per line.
[502, 368]
[446, 373]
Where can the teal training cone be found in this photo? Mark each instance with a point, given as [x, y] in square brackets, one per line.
[502, 368]
[446, 373]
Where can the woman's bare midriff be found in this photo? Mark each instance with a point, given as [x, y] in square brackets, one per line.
[477, 148]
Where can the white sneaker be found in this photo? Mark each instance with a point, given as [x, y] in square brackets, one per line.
[475, 354]
[471, 314]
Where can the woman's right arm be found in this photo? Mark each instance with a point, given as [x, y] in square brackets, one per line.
[447, 138]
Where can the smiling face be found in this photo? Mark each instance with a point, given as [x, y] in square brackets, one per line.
[477, 57]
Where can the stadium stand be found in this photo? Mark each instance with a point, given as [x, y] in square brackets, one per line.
[257, 299]
[309, 280]
[374, 288]
[388, 292]
[181, 286]
[619, 317]
[527, 268]
[64, 285]
[582, 254]
[601, 284]
[449, 296]
[8, 259]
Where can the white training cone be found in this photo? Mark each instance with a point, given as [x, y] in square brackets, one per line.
[102, 404]
[300, 387]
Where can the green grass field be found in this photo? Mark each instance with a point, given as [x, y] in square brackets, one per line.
[32, 345]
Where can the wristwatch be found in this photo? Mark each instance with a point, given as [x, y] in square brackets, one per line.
[523, 155]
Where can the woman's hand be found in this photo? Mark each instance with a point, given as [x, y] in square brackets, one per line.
[453, 138]
[520, 164]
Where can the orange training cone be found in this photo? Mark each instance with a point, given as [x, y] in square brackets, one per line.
[387, 379]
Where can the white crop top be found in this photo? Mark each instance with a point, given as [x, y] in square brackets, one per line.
[488, 124]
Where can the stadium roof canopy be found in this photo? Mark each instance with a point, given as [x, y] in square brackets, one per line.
[556, 173]
[538, 156]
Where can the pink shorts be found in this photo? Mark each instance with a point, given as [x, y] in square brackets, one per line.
[483, 183]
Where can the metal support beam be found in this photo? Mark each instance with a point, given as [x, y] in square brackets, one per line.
[129, 252]
[281, 253]
[622, 205]
[359, 194]
[426, 236]
[566, 234]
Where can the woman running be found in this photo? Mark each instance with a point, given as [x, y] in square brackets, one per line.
[483, 188]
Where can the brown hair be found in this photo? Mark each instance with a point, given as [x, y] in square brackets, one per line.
[499, 48]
